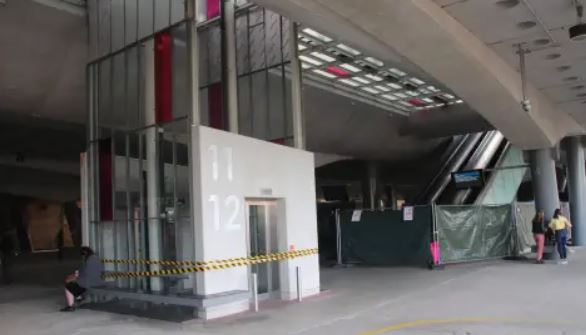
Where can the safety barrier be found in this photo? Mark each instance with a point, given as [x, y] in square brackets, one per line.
[201, 266]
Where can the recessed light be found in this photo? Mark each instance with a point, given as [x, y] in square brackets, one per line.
[349, 67]
[373, 77]
[348, 49]
[397, 72]
[578, 87]
[553, 56]
[325, 74]
[349, 82]
[581, 95]
[507, 3]
[571, 78]
[361, 80]
[541, 42]
[526, 25]
[322, 56]
[370, 90]
[374, 61]
[395, 86]
[317, 35]
[382, 88]
[310, 60]
[563, 68]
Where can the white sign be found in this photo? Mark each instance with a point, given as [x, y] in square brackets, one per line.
[408, 213]
[356, 215]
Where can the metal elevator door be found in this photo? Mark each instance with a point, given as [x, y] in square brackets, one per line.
[262, 227]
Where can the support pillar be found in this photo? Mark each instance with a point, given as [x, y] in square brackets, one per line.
[152, 164]
[229, 69]
[545, 186]
[577, 189]
[372, 186]
[296, 90]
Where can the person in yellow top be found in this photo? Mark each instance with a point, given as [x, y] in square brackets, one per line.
[560, 225]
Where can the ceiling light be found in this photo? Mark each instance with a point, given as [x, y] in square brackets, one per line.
[382, 88]
[433, 89]
[374, 61]
[370, 90]
[526, 25]
[337, 71]
[417, 81]
[412, 93]
[323, 57]
[578, 32]
[563, 68]
[401, 95]
[317, 35]
[572, 78]
[405, 103]
[305, 66]
[301, 47]
[507, 4]
[324, 74]
[361, 80]
[428, 100]
[541, 42]
[347, 49]
[553, 56]
[459, 101]
[397, 72]
[350, 67]
[373, 77]
[389, 97]
[310, 60]
[448, 96]
[395, 86]
[578, 87]
[349, 82]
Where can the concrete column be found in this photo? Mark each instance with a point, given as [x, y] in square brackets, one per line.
[577, 189]
[372, 188]
[296, 90]
[545, 186]
[152, 163]
[229, 70]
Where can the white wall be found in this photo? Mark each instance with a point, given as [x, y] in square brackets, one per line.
[227, 170]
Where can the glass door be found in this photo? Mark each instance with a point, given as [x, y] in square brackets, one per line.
[262, 241]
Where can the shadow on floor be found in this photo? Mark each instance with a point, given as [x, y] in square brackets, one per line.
[169, 313]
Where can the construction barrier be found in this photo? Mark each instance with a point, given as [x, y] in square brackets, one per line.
[183, 267]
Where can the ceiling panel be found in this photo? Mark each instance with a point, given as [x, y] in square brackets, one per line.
[490, 22]
[556, 65]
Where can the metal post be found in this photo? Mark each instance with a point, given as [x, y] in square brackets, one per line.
[152, 163]
[299, 285]
[229, 70]
[255, 291]
[193, 60]
[338, 238]
[577, 189]
[296, 90]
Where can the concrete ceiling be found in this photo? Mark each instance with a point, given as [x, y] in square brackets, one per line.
[42, 67]
[421, 33]
[556, 65]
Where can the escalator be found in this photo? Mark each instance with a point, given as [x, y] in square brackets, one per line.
[477, 151]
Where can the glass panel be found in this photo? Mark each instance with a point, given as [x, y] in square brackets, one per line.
[118, 32]
[145, 18]
[163, 13]
[132, 93]
[93, 28]
[180, 73]
[177, 11]
[131, 20]
[104, 27]
[258, 245]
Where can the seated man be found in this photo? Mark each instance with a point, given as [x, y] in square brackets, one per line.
[90, 275]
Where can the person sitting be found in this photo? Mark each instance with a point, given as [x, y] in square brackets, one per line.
[77, 283]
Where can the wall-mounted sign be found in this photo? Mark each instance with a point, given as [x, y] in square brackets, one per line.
[407, 213]
[467, 179]
[356, 215]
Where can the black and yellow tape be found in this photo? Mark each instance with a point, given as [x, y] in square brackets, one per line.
[183, 267]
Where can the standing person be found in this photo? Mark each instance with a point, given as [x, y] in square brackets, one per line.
[538, 230]
[89, 275]
[560, 225]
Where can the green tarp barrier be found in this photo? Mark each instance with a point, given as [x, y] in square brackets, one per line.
[383, 238]
[468, 233]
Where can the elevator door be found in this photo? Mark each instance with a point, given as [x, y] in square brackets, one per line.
[262, 227]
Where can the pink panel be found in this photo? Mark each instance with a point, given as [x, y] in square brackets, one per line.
[213, 8]
[337, 71]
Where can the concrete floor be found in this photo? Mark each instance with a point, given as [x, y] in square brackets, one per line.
[502, 298]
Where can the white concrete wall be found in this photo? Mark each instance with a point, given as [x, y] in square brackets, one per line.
[227, 170]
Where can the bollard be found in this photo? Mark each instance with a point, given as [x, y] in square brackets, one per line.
[255, 291]
[299, 285]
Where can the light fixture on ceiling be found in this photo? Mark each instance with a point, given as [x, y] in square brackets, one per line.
[2, 3]
[578, 32]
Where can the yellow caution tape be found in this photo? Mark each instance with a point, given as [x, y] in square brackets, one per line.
[202, 266]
